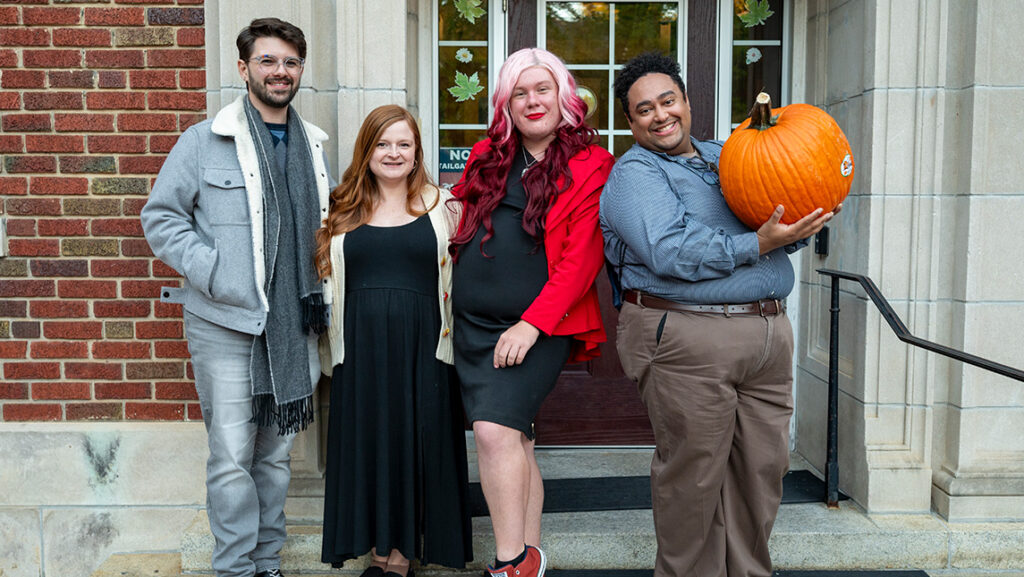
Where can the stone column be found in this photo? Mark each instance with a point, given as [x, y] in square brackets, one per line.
[373, 64]
[930, 219]
[978, 459]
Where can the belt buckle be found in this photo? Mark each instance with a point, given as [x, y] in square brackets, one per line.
[761, 306]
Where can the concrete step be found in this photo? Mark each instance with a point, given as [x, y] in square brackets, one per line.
[806, 536]
[169, 565]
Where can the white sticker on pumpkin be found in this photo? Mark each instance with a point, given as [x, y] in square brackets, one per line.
[847, 167]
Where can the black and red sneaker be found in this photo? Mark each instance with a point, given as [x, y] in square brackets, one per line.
[532, 566]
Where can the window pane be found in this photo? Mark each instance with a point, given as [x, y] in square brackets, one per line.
[771, 29]
[755, 69]
[457, 66]
[596, 81]
[645, 27]
[453, 25]
[578, 31]
[623, 142]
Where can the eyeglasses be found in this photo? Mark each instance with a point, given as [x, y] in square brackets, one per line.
[268, 63]
[708, 172]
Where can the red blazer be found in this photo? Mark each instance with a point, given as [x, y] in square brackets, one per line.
[567, 305]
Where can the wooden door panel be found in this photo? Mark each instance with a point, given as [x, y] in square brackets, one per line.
[594, 403]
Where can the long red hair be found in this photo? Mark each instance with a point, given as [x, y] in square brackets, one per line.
[352, 202]
[483, 184]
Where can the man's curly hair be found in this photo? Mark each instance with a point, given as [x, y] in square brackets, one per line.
[642, 65]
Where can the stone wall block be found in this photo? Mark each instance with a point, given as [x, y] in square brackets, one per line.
[19, 538]
[79, 540]
[997, 63]
[997, 166]
[997, 263]
[99, 463]
[850, 50]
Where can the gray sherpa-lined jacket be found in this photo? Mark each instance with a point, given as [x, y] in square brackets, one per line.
[204, 219]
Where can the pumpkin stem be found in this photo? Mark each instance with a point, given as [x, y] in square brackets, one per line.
[761, 113]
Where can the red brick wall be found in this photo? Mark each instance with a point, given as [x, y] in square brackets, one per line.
[92, 97]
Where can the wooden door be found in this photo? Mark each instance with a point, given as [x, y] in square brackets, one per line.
[594, 403]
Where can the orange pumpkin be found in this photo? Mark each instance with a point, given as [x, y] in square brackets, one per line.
[798, 158]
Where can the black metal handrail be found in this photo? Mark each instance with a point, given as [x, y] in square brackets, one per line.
[903, 334]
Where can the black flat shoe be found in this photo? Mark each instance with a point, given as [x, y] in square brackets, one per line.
[411, 573]
[372, 571]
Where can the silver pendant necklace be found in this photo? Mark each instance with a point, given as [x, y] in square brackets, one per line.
[528, 163]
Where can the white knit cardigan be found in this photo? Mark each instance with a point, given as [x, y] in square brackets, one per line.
[444, 217]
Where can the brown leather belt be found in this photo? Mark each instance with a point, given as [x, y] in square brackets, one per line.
[762, 308]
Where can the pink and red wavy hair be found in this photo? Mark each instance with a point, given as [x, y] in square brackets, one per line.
[483, 185]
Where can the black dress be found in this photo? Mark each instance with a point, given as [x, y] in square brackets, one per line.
[396, 448]
[489, 295]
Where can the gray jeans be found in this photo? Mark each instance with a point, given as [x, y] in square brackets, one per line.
[249, 467]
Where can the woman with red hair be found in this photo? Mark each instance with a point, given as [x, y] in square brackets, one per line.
[526, 255]
[396, 448]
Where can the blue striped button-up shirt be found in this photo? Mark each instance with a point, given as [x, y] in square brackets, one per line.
[668, 232]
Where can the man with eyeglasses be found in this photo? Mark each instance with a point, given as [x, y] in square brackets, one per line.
[234, 210]
[703, 332]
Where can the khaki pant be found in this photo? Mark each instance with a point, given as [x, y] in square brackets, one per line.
[718, 393]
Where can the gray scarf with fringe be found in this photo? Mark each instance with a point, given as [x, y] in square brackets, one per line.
[281, 388]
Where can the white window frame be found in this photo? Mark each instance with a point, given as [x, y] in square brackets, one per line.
[611, 132]
[723, 88]
[496, 47]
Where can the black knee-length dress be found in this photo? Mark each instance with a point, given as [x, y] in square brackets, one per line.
[396, 447]
[489, 295]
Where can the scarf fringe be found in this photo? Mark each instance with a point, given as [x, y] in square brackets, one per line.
[290, 417]
[314, 314]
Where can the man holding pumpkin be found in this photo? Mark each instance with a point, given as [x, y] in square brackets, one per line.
[703, 332]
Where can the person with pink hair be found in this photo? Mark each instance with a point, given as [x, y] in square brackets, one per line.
[526, 254]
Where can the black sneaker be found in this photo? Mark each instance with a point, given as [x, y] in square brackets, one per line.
[270, 573]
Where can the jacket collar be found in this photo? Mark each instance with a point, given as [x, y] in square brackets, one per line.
[230, 121]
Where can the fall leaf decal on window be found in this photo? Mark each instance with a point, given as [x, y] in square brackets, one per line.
[466, 87]
[470, 9]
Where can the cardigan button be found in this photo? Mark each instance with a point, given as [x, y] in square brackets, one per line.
[445, 296]
[446, 332]
[444, 260]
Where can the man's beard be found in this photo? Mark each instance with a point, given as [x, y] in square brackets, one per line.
[263, 94]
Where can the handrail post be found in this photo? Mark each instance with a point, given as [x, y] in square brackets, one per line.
[832, 451]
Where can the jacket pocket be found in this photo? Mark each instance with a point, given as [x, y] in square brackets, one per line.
[223, 197]
[232, 281]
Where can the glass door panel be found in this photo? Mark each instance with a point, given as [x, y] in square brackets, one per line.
[757, 58]
[596, 38]
[463, 79]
